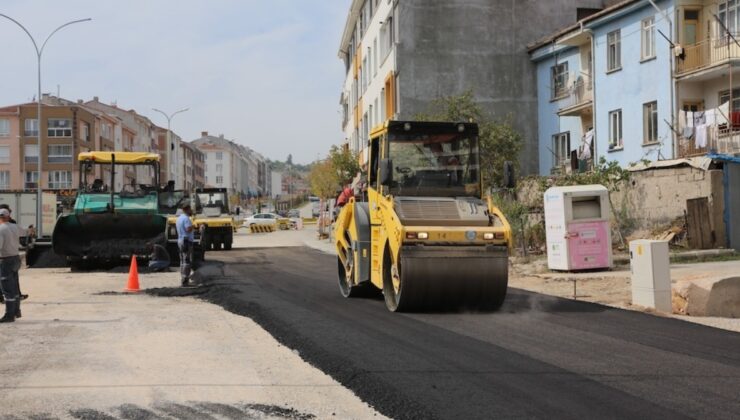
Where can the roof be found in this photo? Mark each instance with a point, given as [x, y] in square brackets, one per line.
[699, 162]
[349, 26]
[121, 157]
[559, 34]
[578, 189]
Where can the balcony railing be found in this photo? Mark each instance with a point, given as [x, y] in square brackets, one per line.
[720, 139]
[707, 53]
[579, 92]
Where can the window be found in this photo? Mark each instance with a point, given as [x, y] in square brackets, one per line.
[4, 180]
[219, 180]
[386, 38]
[561, 148]
[105, 131]
[615, 130]
[60, 153]
[219, 168]
[32, 179]
[85, 131]
[728, 14]
[650, 122]
[4, 128]
[648, 38]
[31, 127]
[375, 57]
[60, 180]
[724, 97]
[59, 127]
[4, 154]
[559, 80]
[219, 155]
[614, 51]
[31, 153]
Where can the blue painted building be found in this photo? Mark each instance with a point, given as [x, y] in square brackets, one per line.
[605, 88]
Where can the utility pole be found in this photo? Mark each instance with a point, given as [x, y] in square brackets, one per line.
[169, 140]
[39, 53]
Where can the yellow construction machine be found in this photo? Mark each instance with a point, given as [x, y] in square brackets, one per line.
[424, 234]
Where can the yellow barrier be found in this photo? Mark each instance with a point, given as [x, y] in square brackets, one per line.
[262, 228]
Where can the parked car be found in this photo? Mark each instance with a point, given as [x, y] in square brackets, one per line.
[261, 219]
[294, 213]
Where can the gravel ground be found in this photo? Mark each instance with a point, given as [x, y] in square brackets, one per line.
[84, 349]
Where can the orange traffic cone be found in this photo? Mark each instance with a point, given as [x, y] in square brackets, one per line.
[133, 277]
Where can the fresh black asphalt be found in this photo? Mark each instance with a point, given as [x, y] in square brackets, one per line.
[538, 357]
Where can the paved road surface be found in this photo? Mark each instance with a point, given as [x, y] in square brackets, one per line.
[540, 357]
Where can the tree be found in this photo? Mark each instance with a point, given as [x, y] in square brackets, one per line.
[345, 163]
[499, 142]
[289, 159]
[323, 179]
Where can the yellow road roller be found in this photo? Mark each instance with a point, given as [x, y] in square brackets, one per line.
[422, 231]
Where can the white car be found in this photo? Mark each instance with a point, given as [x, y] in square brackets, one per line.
[261, 219]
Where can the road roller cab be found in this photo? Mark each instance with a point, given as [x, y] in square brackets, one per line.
[423, 233]
[213, 218]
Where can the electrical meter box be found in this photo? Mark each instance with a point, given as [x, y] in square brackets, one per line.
[651, 274]
[577, 228]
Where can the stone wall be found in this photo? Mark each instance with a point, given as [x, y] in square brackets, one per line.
[656, 197]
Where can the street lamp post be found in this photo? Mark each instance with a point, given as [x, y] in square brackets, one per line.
[169, 140]
[39, 53]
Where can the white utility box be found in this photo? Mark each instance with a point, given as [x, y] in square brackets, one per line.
[651, 274]
[577, 228]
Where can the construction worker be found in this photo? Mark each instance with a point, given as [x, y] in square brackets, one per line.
[185, 240]
[10, 263]
[29, 232]
[159, 260]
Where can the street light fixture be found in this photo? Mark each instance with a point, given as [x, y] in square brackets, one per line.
[169, 140]
[39, 52]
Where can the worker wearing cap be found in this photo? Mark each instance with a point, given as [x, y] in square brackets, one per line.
[185, 240]
[28, 232]
[10, 263]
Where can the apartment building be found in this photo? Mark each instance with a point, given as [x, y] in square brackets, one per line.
[11, 173]
[192, 166]
[605, 89]
[224, 164]
[233, 166]
[400, 56]
[66, 130]
[134, 132]
[708, 77]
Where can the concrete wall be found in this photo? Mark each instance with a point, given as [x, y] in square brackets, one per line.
[449, 46]
[656, 197]
[732, 198]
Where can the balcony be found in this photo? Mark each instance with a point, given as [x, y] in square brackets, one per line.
[720, 139]
[706, 55]
[576, 100]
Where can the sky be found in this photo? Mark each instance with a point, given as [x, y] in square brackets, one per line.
[264, 73]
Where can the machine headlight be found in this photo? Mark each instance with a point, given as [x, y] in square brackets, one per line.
[488, 236]
[423, 235]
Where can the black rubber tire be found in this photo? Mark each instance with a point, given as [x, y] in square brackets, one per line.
[217, 243]
[228, 239]
[394, 301]
[344, 287]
